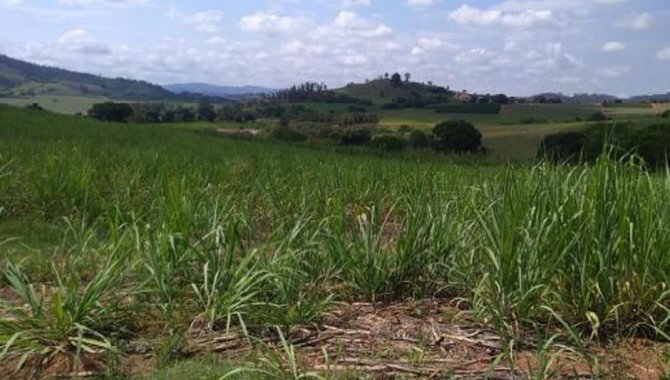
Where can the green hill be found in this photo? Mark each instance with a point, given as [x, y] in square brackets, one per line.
[383, 91]
[20, 78]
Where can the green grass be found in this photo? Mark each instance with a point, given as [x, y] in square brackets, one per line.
[149, 229]
[550, 112]
[65, 104]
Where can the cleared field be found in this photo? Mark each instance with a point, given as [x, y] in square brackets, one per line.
[550, 112]
[56, 103]
[162, 245]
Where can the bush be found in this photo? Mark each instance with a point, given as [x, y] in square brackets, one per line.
[355, 135]
[286, 133]
[653, 144]
[389, 143]
[587, 145]
[457, 136]
[598, 116]
[666, 114]
[118, 112]
[562, 147]
[418, 139]
[404, 128]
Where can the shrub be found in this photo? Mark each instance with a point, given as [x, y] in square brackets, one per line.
[598, 116]
[418, 139]
[286, 133]
[389, 143]
[119, 112]
[587, 145]
[562, 147]
[666, 114]
[354, 135]
[457, 136]
[653, 144]
[404, 128]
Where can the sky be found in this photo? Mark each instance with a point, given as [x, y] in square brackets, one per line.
[519, 47]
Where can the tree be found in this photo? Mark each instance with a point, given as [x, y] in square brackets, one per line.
[396, 80]
[457, 136]
[562, 147]
[408, 76]
[205, 110]
[418, 139]
[389, 143]
[117, 112]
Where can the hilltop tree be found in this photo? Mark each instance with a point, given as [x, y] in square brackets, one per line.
[396, 80]
[408, 76]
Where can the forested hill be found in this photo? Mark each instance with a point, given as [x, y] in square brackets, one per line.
[19, 78]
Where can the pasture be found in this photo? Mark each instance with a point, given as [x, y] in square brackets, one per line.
[154, 251]
[66, 104]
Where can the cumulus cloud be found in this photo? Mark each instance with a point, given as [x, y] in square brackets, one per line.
[420, 3]
[353, 59]
[348, 20]
[117, 3]
[663, 54]
[637, 21]
[523, 19]
[204, 21]
[81, 41]
[614, 71]
[10, 3]
[610, 1]
[355, 3]
[270, 23]
[613, 46]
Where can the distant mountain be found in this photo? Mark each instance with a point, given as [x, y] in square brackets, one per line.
[650, 98]
[579, 98]
[214, 90]
[20, 78]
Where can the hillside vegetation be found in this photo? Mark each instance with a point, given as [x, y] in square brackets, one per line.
[20, 78]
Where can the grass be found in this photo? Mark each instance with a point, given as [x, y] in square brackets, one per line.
[156, 231]
[66, 104]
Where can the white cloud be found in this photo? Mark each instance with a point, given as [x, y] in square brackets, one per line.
[81, 41]
[270, 23]
[10, 3]
[614, 71]
[663, 54]
[420, 3]
[355, 3]
[609, 1]
[97, 3]
[204, 21]
[353, 59]
[613, 46]
[348, 20]
[523, 19]
[638, 21]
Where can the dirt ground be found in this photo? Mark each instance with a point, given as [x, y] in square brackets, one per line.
[431, 339]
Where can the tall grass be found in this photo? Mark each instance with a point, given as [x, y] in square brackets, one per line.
[229, 232]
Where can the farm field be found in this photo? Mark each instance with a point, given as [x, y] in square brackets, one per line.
[65, 104]
[155, 251]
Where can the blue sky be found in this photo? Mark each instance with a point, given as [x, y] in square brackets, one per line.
[519, 47]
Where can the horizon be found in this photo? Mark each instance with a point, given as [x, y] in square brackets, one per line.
[564, 46]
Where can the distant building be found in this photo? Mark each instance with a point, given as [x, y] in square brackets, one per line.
[464, 96]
